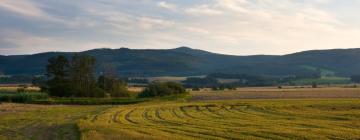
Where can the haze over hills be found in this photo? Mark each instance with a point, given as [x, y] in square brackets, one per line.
[184, 61]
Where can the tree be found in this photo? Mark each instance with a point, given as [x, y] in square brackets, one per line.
[355, 78]
[110, 82]
[158, 89]
[40, 81]
[314, 85]
[201, 82]
[82, 76]
[113, 86]
[58, 67]
[58, 73]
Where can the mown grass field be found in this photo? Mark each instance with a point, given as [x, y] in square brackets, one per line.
[238, 119]
[247, 113]
[42, 122]
[275, 93]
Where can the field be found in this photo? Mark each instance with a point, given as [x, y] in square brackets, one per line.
[275, 93]
[323, 81]
[42, 122]
[246, 119]
[247, 113]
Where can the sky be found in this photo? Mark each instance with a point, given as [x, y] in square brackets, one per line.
[237, 27]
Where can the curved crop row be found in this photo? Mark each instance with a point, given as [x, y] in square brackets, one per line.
[217, 121]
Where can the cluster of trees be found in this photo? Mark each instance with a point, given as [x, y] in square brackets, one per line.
[158, 89]
[243, 80]
[137, 80]
[197, 82]
[76, 78]
[355, 78]
[223, 87]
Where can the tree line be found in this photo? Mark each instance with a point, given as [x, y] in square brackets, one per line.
[76, 77]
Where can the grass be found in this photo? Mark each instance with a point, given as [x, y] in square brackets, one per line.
[13, 89]
[22, 97]
[179, 117]
[167, 79]
[90, 101]
[275, 93]
[39, 122]
[323, 81]
[241, 119]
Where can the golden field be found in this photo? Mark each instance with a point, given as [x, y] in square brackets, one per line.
[247, 113]
[240, 119]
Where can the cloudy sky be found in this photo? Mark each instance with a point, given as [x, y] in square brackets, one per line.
[239, 27]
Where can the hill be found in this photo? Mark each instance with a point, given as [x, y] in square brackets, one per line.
[185, 61]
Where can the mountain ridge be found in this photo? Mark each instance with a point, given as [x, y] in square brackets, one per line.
[183, 61]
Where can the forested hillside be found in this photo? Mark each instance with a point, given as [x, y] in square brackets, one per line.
[185, 61]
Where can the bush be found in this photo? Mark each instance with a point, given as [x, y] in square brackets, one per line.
[91, 101]
[61, 90]
[314, 85]
[21, 90]
[114, 87]
[195, 89]
[98, 93]
[23, 97]
[158, 89]
[119, 91]
[214, 88]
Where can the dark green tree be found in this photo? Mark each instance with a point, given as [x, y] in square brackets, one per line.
[82, 76]
[355, 78]
[158, 89]
[58, 73]
[314, 85]
[111, 83]
[114, 87]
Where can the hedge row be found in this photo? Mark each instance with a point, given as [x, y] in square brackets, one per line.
[89, 101]
[22, 97]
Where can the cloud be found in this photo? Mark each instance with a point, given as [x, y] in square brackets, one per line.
[203, 10]
[225, 26]
[151, 23]
[19, 38]
[16, 41]
[22, 7]
[166, 5]
[28, 9]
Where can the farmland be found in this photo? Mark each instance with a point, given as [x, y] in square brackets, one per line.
[246, 119]
[246, 113]
[42, 122]
[275, 93]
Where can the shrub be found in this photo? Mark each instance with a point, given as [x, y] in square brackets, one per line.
[98, 93]
[231, 87]
[114, 87]
[158, 89]
[21, 90]
[61, 90]
[314, 85]
[195, 89]
[214, 88]
[119, 91]
[23, 97]
[91, 101]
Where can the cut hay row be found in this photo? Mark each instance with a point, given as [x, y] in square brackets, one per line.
[228, 120]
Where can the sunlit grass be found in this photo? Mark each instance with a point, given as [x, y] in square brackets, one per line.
[24, 121]
[243, 119]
